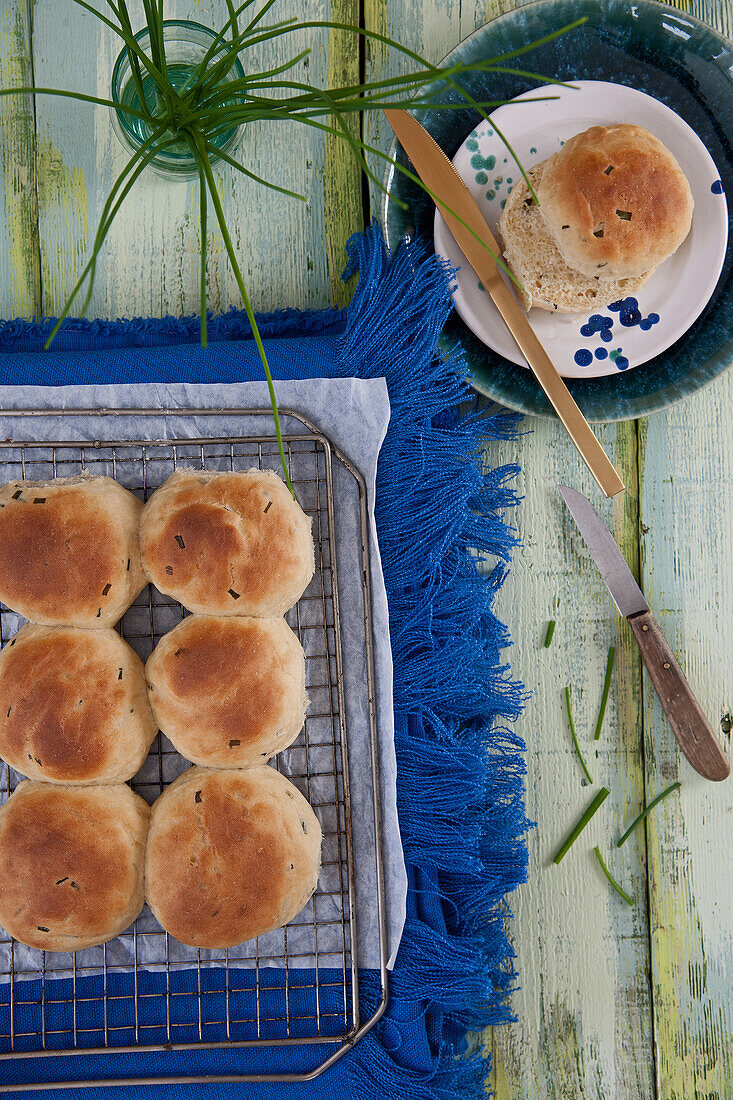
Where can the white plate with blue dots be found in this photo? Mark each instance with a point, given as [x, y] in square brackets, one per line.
[627, 333]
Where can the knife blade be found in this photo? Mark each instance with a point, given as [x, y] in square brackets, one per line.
[470, 229]
[694, 733]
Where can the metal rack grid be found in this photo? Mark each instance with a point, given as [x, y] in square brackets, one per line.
[300, 984]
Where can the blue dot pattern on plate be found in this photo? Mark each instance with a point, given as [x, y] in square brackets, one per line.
[717, 188]
[601, 353]
[583, 357]
[630, 315]
[597, 323]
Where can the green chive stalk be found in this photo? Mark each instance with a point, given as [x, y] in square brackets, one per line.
[574, 735]
[577, 829]
[646, 811]
[617, 886]
[606, 689]
[213, 102]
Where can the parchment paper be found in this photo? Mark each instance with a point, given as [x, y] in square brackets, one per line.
[354, 414]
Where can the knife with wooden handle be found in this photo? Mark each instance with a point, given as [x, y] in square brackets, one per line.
[444, 183]
[694, 733]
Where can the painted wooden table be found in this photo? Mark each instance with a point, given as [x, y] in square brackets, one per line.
[615, 1003]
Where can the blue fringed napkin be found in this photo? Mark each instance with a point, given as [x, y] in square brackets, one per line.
[460, 766]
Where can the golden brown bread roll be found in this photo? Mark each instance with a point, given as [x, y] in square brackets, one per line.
[231, 855]
[69, 550]
[73, 706]
[228, 692]
[227, 543]
[71, 864]
[615, 200]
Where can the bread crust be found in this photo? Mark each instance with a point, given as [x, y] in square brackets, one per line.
[231, 855]
[229, 692]
[227, 543]
[73, 706]
[71, 864]
[616, 201]
[69, 550]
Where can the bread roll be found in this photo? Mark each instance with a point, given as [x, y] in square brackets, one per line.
[231, 855]
[69, 552]
[228, 692]
[227, 543]
[73, 706]
[71, 864]
[533, 257]
[615, 201]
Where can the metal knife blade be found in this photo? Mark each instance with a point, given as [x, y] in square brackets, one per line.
[468, 225]
[688, 723]
[627, 595]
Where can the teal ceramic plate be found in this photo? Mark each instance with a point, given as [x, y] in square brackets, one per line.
[646, 45]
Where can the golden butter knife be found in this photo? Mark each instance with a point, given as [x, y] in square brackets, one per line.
[445, 184]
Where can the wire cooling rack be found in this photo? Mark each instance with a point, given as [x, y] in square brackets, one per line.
[145, 991]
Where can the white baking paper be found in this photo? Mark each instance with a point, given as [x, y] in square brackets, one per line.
[353, 414]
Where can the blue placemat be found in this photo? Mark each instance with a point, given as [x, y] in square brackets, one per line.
[460, 766]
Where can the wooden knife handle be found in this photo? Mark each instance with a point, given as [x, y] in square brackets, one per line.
[694, 733]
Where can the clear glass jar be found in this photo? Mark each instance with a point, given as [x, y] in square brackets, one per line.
[186, 44]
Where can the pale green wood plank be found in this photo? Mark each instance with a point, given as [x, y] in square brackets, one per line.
[150, 263]
[584, 1016]
[19, 263]
[687, 501]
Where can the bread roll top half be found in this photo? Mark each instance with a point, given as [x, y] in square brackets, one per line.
[71, 864]
[229, 692]
[231, 855]
[227, 543]
[73, 706]
[615, 200]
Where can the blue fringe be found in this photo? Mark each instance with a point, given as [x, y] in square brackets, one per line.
[460, 768]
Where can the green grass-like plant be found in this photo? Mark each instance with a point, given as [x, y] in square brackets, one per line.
[214, 102]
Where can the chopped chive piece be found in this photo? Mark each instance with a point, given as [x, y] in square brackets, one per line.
[617, 887]
[75, 885]
[606, 689]
[179, 651]
[39, 500]
[564, 226]
[305, 827]
[233, 594]
[574, 734]
[105, 590]
[549, 634]
[119, 677]
[41, 928]
[60, 880]
[128, 565]
[646, 811]
[598, 232]
[169, 570]
[17, 494]
[9, 710]
[599, 799]
[181, 543]
[197, 796]
[624, 215]
[268, 506]
[99, 613]
[608, 170]
[234, 741]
